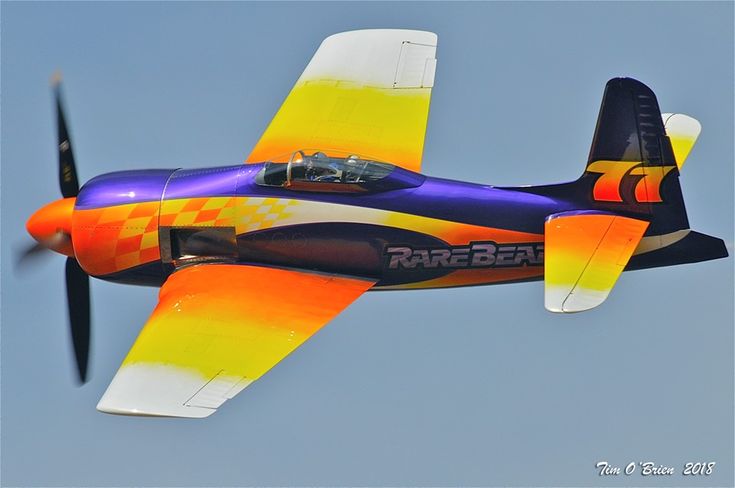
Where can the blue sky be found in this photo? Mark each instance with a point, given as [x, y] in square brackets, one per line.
[476, 386]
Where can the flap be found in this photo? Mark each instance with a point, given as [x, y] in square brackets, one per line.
[216, 329]
[585, 252]
[365, 93]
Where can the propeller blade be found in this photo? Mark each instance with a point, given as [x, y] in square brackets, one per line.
[77, 294]
[28, 255]
[68, 182]
[36, 250]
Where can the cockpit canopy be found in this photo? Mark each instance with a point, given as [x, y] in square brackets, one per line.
[317, 171]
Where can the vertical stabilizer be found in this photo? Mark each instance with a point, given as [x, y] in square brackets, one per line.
[631, 167]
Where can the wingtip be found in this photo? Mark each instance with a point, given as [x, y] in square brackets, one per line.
[134, 412]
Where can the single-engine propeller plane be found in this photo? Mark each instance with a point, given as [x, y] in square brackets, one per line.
[252, 259]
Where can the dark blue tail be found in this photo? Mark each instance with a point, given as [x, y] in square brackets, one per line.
[632, 171]
[631, 168]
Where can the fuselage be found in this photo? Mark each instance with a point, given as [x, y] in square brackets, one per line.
[407, 230]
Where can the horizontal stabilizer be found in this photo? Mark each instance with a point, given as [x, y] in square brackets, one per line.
[683, 132]
[585, 252]
[694, 247]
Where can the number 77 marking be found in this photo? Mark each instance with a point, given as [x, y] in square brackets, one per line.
[607, 186]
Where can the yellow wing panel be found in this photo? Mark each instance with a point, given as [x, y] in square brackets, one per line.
[216, 329]
[585, 252]
[365, 93]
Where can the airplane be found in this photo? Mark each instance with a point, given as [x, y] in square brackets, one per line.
[252, 259]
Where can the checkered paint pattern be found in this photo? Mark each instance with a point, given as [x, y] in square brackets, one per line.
[255, 213]
[198, 212]
[110, 239]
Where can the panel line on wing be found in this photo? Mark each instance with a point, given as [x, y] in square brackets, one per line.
[579, 278]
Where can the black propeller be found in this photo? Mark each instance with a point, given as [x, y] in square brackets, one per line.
[68, 182]
[51, 227]
[77, 297]
[33, 252]
[29, 254]
[77, 281]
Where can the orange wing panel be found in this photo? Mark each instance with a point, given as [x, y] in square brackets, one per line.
[216, 329]
[585, 252]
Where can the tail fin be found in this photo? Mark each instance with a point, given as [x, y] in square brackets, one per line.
[633, 213]
[632, 169]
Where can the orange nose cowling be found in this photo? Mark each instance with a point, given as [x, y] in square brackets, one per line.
[51, 225]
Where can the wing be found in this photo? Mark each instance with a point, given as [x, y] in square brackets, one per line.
[585, 252]
[364, 92]
[216, 329]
